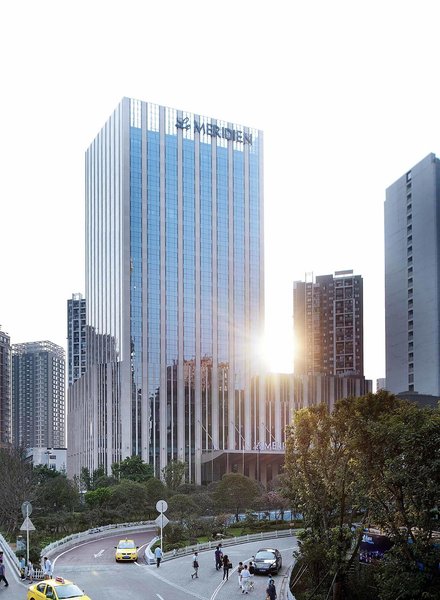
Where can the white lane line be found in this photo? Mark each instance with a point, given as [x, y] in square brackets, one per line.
[159, 596]
[100, 553]
[175, 585]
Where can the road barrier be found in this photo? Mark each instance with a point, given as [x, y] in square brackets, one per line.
[97, 532]
[243, 539]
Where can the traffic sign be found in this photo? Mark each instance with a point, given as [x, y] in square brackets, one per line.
[162, 521]
[27, 525]
[161, 506]
[26, 508]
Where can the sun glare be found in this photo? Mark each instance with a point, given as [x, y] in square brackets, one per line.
[277, 352]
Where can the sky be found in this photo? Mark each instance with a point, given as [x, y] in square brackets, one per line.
[346, 93]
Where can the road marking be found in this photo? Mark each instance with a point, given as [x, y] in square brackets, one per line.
[100, 553]
[175, 585]
[159, 596]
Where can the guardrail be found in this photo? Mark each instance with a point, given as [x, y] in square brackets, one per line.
[243, 539]
[95, 532]
[9, 553]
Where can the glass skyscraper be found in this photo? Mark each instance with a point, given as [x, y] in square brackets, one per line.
[174, 289]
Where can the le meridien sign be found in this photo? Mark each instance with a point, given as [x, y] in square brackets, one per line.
[270, 446]
[236, 135]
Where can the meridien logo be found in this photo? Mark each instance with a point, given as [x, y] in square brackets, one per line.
[236, 135]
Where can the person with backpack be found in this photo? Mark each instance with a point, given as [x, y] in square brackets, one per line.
[226, 566]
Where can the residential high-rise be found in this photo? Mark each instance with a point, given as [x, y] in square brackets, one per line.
[412, 280]
[328, 325]
[76, 338]
[38, 395]
[174, 288]
[5, 390]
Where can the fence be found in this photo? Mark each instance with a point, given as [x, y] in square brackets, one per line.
[243, 539]
[97, 532]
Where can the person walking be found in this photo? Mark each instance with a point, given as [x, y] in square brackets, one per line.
[218, 558]
[271, 591]
[30, 571]
[2, 573]
[226, 566]
[245, 580]
[239, 570]
[195, 563]
[47, 568]
[158, 554]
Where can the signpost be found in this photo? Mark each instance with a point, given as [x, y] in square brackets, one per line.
[162, 520]
[26, 509]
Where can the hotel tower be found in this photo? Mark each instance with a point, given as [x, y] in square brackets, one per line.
[174, 290]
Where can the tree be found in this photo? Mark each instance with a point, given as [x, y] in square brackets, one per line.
[133, 468]
[156, 490]
[374, 459]
[182, 507]
[173, 474]
[236, 492]
[318, 477]
[15, 487]
[128, 500]
[98, 498]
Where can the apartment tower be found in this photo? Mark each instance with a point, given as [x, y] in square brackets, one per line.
[38, 395]
[328, 325]
[412, 280]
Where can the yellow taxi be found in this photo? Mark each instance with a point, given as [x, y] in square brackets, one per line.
[126, 550]
[56, 589]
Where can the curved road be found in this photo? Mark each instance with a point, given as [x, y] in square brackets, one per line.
[93, 567]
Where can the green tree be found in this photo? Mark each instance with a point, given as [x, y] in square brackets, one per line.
[173, 474]
[85, 479]
[98, 498]
[133, 468]
[16, 486]
[128, 500]
[54, 493]
[236, 492]
[374, 459]
[156, 490]
[182, 507]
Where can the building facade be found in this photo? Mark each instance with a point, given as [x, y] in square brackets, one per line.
[174, 288]
[52, 458]
[76, 338]
[328, 325]
[412, 282]
[38, 395]
[5, 390]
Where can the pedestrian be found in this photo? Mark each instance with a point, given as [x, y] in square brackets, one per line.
[251, 568]
[2, 573]
[30, 571]
[195, 564]
[271, 592]
[22, 567]
[239, 570]
[158, 554]
[226, 566]
[245, 580]
[47, 568]
[218, 558]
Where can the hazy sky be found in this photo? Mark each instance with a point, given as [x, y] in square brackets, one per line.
[346, 93]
